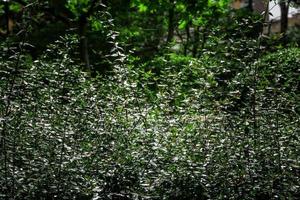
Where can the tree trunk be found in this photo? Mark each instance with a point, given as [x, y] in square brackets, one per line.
[188, 36]
[171, 22]
[83, 41]
[284, 8]
[250, 5]
[83, 29]
[7, 23]
[196, 41]
[204, 38]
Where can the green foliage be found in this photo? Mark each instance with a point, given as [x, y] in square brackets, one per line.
[215, 118]
[270, 113]
[293, 35]
[15, 7]
[78, 7]
[156, 131]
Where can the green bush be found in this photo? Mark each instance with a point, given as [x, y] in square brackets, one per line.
[153, 131]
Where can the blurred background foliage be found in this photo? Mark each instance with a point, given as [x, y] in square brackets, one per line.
[140, 99]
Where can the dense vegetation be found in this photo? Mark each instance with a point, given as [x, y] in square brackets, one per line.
[146, 99]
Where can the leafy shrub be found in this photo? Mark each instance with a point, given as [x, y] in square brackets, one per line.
[270, 113]
[154, 131]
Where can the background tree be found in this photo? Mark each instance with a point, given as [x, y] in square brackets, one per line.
[284, 9]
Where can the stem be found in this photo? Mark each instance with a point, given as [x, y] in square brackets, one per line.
[277, 133]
